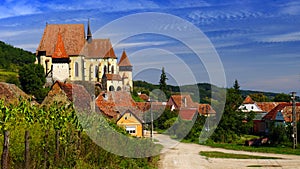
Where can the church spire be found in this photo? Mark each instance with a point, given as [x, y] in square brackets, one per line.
[89, 33]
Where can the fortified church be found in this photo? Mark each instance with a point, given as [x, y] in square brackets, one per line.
[68, 53]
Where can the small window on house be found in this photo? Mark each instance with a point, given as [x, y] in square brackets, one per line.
[130, 129]
[252, 107]
[118, 88]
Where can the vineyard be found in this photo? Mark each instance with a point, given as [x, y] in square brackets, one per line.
[41, 137]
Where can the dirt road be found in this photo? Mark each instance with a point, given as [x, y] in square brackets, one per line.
[186, 156]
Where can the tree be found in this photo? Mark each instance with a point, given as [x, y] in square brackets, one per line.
[259, 97]
[163, 83]
[236, 86]
[32, 79]
[234, 122]
[282, 97]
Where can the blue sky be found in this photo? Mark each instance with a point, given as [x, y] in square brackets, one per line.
[258, 41]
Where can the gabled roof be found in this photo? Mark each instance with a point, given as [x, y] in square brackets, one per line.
[206, 109]
[11, 93]
[124, 61]
[184, 101]
[273, 113]
[72, 36]
[98, 48]
[187, 114]
[130, 112]
[267, 106]
[59, 51]
[248, 100]
[114, 102]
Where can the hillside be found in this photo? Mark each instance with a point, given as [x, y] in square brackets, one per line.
[11, 58]
[203, 88]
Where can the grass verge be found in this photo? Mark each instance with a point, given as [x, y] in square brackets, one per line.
[217, 154]
[264, 149]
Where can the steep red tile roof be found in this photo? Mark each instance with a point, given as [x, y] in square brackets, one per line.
[248, 100]
[124, 61]
[280, 107]
[178, 101]
[267, 106]
[113, 77]
[72, 36]
[206, 109]
[115, 102]
[187, 114]
[11, 93]
[59, 51]
[98, 48]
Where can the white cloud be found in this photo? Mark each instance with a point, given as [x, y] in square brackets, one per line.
[205, 16]
[288, 37]
[291, 8]
[140, 44]
[16, 8]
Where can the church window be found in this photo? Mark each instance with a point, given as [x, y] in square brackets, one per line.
[104, 69]
[111, 88]
[96, 71]
[112, 69]
[118, 88]
[76, 69]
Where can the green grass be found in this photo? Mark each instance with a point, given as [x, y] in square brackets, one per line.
[264, 149]
[217, 154]
[5, 75]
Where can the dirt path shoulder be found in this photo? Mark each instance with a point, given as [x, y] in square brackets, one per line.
[186, 156]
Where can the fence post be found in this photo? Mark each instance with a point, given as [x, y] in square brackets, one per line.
[4, 159]
[27, 150]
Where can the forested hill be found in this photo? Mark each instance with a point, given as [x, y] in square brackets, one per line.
[204, 90]
[11, 57]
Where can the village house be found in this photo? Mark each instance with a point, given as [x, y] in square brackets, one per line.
[119, 106]
[268, 113]
[67, 53]
[185, 102]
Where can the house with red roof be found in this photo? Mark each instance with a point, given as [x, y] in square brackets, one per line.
[267, 113]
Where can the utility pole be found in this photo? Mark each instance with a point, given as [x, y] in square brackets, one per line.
[151, 119]
[294, 120]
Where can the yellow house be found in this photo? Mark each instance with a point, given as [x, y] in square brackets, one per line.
[131, 123]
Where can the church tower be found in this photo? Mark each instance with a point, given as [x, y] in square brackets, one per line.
[60, 61]
[125, 71]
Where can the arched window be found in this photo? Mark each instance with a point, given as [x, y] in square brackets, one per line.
[119, 88]
[112, 69]
[104, 69]
[76, 70]
[111, 88]
[96, 71]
